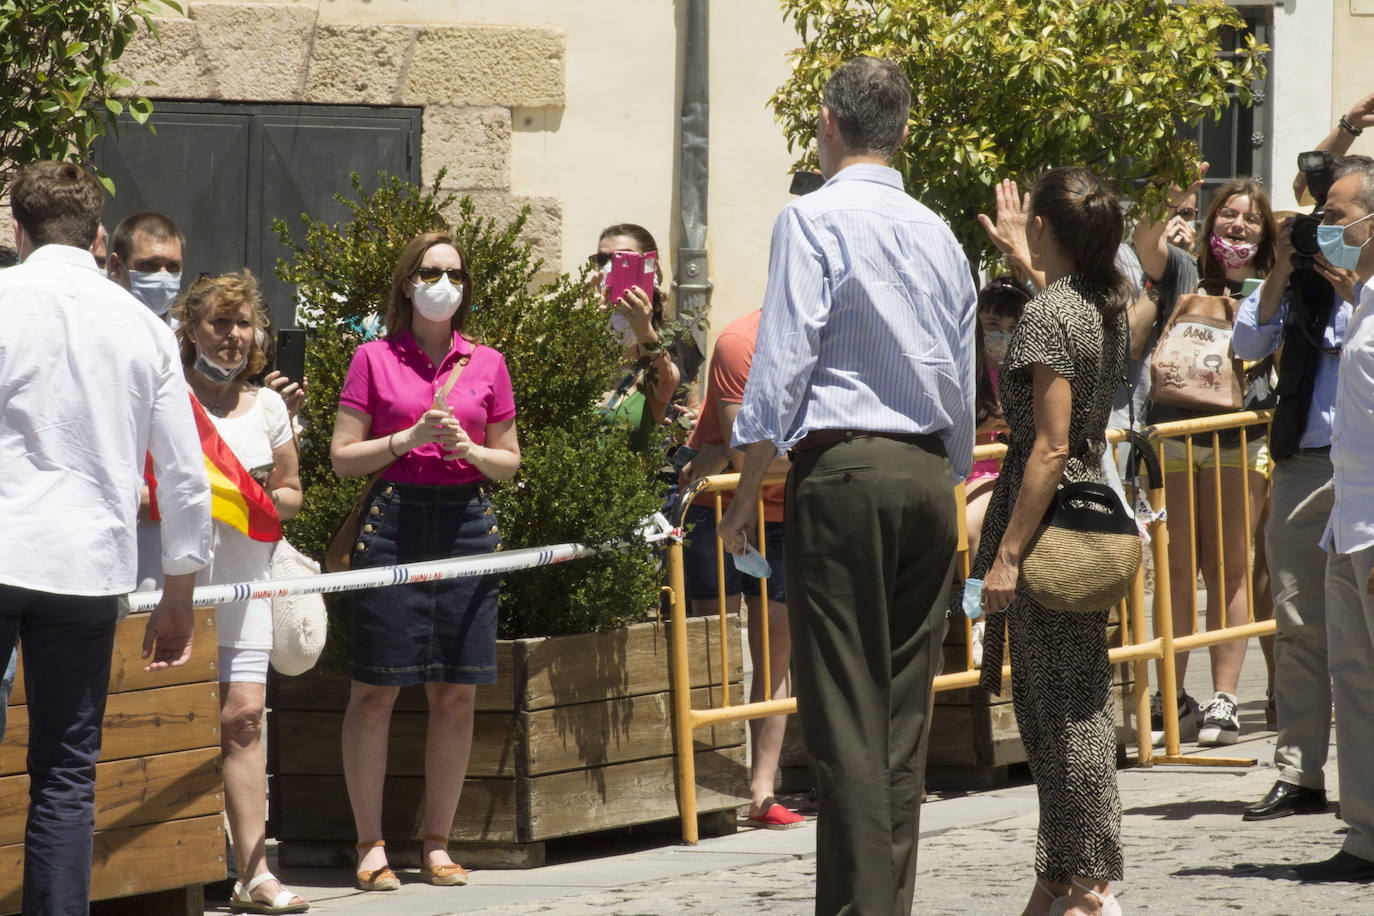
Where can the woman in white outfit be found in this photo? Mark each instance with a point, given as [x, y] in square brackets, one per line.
[218, 318]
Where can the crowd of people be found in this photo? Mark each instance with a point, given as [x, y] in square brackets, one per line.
[869, 373]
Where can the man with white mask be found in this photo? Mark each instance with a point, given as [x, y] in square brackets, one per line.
[145, 258]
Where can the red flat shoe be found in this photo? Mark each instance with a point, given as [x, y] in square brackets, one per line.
[777, 818]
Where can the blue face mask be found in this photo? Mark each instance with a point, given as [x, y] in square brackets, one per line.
[1331, 240]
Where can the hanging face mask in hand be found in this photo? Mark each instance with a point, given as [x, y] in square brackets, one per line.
[1331, 240]
[620, 326]
[155, 288]
[1231, 255]
[437, 301]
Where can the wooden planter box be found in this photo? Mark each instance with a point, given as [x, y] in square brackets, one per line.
[159, 797]
[575, 737]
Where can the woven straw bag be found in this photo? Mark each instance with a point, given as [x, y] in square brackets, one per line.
[299, 622]
[1085, 554]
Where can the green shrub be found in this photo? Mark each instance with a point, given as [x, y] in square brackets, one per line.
[579, 481]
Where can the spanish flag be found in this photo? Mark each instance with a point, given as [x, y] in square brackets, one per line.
[235, 497]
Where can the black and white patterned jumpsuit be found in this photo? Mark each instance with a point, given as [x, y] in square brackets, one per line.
[1061, 681]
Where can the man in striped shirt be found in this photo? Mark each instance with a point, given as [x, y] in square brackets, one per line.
[864, 369]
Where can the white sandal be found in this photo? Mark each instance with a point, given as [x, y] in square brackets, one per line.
[241, 901]
[1110, 907]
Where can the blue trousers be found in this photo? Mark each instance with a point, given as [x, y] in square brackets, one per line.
[67, 641]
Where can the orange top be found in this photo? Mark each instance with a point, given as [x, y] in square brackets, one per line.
[730, 362]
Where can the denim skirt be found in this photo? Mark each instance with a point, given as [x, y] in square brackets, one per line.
[425, 631]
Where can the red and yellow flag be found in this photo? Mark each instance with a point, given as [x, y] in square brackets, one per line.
[235, 497]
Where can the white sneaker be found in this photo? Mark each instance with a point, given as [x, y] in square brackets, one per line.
[1220, 721]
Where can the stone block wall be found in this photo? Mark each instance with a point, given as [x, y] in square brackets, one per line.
[467, 79]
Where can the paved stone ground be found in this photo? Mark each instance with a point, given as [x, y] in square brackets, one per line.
[1187, 852]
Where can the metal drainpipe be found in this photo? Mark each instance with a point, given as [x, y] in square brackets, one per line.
[693, 280]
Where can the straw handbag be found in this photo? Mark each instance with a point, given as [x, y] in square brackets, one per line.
[299, 622]
[1085, 554]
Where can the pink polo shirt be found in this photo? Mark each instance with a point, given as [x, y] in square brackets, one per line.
[394, 382]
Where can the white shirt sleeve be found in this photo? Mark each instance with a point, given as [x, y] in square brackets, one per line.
[278, 417]
[183, 489]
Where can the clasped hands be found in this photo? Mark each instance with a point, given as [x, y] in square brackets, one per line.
[440, 425]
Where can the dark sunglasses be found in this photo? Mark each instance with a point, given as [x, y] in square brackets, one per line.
[456, 275]
[600, 259]
[1187, 214]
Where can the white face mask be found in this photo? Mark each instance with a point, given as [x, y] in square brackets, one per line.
[155, 288]
[437, 301]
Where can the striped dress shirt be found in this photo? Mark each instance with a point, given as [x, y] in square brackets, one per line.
[867, 321]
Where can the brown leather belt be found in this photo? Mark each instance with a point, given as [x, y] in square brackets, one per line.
[820, 437]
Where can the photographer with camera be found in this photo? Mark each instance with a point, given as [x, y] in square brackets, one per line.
[1344, 240]
[1303, 306]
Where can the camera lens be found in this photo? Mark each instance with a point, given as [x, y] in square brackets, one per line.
[1304, 234]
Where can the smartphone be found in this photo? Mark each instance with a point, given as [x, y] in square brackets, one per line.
[805, 182]
[290, 355]
[630, 268]
[1250, 285]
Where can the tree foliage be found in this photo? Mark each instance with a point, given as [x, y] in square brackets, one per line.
[60, 94]
[1010, 89]
[579, 481]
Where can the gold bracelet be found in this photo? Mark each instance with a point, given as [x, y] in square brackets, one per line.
[388, 446]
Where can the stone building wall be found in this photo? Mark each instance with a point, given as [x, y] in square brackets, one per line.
[468, 79]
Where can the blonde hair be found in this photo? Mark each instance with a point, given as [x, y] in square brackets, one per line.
[219, 293]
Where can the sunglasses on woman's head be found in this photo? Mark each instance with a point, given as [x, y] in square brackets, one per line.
[456, 275]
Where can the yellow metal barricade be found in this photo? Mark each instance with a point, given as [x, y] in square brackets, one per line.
[1135, 645]
[1247, 423]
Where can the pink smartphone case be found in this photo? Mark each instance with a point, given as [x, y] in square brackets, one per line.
[630, 268]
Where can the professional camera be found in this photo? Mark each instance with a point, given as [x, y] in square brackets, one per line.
[1317, 167]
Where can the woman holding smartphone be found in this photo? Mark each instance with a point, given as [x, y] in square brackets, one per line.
[220, 318]
[433, 410]
[640, 402]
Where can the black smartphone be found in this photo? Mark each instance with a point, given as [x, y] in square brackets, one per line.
[290, 356]
[805, 182]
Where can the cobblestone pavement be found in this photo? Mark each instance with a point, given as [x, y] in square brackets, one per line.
[1187, 852]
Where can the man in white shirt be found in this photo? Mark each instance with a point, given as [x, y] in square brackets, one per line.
[1349, 535]
[90, 381]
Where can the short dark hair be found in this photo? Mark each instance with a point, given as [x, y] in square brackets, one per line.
[870, 99]
[57, 203]
[1003, 297]
[150, 223]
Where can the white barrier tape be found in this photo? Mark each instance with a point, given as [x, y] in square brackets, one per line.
[656, 529]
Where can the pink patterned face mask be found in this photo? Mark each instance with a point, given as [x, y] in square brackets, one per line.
[1232, 255]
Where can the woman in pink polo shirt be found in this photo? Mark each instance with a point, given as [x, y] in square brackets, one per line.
[440, 438]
